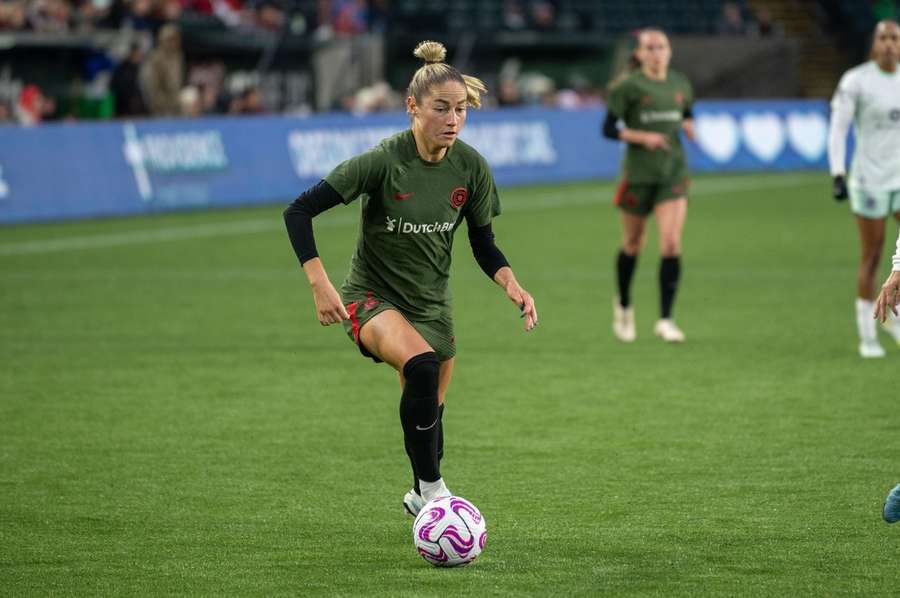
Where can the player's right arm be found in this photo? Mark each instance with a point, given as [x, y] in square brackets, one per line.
[843, 107]
[616, 108]
[350, 179]
[298, 220]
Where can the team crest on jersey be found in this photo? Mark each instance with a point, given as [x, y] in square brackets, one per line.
[679, 98]
[458, 197]
[646, 100]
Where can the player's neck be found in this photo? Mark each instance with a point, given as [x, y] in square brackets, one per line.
[887, 66]
[659, 75]
[429, 154]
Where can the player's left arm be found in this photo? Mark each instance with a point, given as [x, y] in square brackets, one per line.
[484, 205]
[687, 118]
[519, 296]
[494, 264]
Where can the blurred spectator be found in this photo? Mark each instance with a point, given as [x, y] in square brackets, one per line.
[543, 15]
[349, 17]
[765, 26]
[167, 11]
[49, 16]
[12, 15]
[135, 14]
[91, 13]
[378, 97]
[269, 15]
[189, 100]
[514, 15]
[579, 94]
[208, 78]
[230, 12]
[33, 106]
[162, 74]
[731, 21]
[537, 88]
[5, 113]
[508, 93]
[125, 84]
[248, 101]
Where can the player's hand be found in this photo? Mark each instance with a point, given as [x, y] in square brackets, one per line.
[839, 188]
[525, 303]
[687, 125]
[888, 298]
[655, 141]
[329, 307]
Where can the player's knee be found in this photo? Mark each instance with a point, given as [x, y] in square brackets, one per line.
[870, 263]
[632, 245]
[422, 373]
[670, 247]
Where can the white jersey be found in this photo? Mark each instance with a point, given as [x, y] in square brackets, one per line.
[896, 260]
[870, 99]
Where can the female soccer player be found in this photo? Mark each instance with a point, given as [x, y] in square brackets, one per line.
[416, 188]
[869, 96]
[654, 102]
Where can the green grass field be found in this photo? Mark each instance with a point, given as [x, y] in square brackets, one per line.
[173, 420]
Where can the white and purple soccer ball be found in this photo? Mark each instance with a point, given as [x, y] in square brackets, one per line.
[449, 532]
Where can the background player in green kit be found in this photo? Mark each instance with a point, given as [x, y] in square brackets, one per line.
[654, 102]
[415, 188]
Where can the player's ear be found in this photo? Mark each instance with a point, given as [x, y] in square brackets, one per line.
[411, 105]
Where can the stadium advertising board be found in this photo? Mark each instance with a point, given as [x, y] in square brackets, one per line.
[80, 170]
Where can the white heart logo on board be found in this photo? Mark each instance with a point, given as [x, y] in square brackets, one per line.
[763, 134]
[808, 134]
[717, 135]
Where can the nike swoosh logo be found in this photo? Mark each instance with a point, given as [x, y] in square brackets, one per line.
[402, 196]
[429, 427]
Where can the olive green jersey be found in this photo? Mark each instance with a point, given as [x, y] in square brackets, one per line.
[648, 105]
[410, 210]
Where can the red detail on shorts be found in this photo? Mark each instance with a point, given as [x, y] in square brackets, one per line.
[458, 197]
[625, 197]
[354, 320]
[371, 301]
[681, 188]
[403, 196]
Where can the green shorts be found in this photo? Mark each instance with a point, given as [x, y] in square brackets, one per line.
[362, 307]
[641, 198]
[873, 204]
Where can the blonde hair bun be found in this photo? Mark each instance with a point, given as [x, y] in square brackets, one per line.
[431, 52]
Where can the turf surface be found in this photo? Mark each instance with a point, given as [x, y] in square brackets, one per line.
[174, 420]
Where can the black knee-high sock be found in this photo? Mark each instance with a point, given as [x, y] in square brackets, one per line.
[669, 273]
[419, 415]
[440, 449]
[440, 440]
[625, 265]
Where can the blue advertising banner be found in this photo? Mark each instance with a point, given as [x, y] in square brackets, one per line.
[80, 170]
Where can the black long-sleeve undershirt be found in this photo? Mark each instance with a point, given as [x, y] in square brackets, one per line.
[298, 217]
[322, 196]
[486, 252]
[610, 130]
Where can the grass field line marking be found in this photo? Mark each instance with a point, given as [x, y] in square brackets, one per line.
[172, 233]
[599, 195]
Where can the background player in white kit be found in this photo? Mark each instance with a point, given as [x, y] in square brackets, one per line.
[869, 97]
